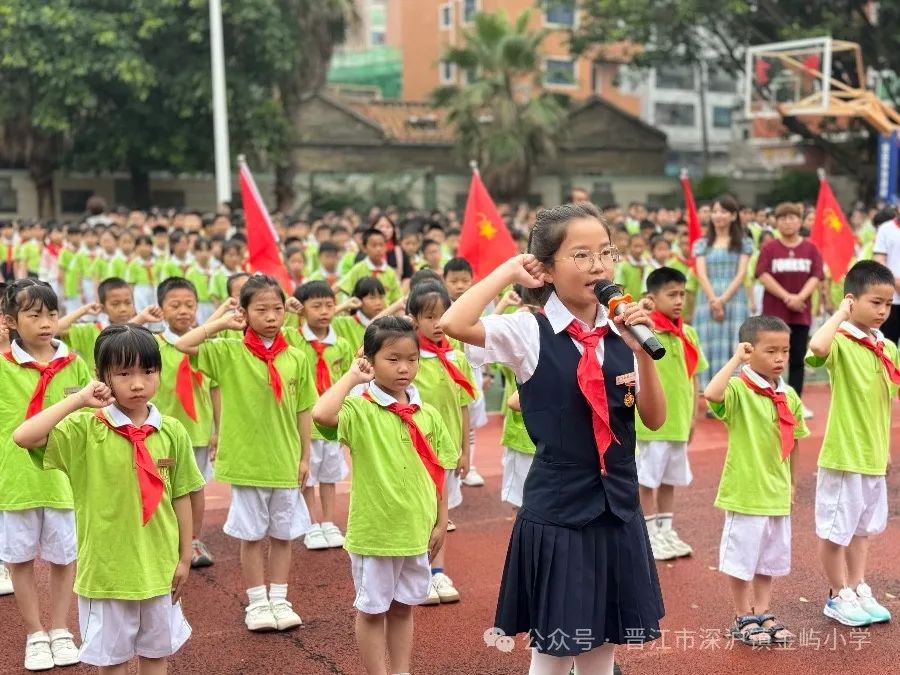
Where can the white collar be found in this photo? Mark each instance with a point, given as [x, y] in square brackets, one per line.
[21, 356]
[267, 343]
[762, 382]
[330, 338]
[325, 273]
[363, 319]
[119, 419]
[876, 334]
[382, 398]
[168, 335]
[372, 266]
[560, 317]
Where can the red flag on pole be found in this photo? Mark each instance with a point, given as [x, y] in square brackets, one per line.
[693, 220]
[484, 241]
[262, 240]
[831, 232]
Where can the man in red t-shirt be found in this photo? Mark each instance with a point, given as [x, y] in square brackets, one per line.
[789, 269]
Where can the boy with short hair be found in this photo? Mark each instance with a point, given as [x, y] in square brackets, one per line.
[851, 491]
[431, 256]
[373, 265]
[662, 459]
[630, 271]
[328, 263]
[69, 272]
[764, 418]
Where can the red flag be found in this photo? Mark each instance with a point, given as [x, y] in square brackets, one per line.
[262, 240]
[484, 241]
[831, 232]
[693, 220]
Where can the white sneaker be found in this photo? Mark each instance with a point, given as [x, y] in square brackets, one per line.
[473, 478]
[870, 605]
[285, 616]
[807, 413]
[443, 585]
[38, 655]
[451, 526]
[332, 534]
[433, 597]
[259, 617]
[65, 653]
[315, 538]
[845, 608]
[6, 587]
[679, 547]
[660, 547]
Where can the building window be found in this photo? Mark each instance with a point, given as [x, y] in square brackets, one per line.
[559, 72]
[9, 202]
[448, 72]
[470, 8]
[73, 201]
[471, 75]
[675, 77]
[675, 114]
[721, 117]
[446, 16]
[720, 81]
[559, 13]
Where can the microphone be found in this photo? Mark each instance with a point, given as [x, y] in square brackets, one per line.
[610, 296]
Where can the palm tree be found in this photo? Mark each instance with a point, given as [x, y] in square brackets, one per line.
[504, 119]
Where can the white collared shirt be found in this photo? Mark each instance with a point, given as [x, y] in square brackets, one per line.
[330, 339]
[21, 356]
[382, 398]
[762, 382]
[515, 339]
[363, 319]
[372, 266]
[117, 418]
[876, 335]
[168, 335]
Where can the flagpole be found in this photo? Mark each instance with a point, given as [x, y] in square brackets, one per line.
[473, 165]
[684, 173]
[820, 173]
[219, 104]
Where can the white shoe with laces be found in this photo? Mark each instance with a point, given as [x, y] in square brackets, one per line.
[661, 548]
[315, 538]
[473, 478]
[870, 605]
[6, 587]
[443, 585]
[38, 655]
[62, 644]
[679, 547]
[285, 616]
[332, 534]
[259, 617]
[433, 597]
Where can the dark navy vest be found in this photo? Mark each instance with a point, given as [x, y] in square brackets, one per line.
[564, 486]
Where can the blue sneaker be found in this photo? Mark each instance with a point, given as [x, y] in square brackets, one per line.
[845, 608]
[870, 605]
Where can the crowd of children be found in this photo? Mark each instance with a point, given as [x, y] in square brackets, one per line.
[149, 336]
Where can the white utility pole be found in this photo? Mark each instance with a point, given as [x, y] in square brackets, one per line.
[219, 104]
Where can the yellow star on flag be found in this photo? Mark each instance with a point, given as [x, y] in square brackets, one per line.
[486, 228]
[833, 221]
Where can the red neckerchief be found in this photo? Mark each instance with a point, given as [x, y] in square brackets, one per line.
[323, 375]
[786, 419]
[45, 374]
[420, 443]
[590, 381]
[184, 384]
[9, 253]
[53, 249]
[254, 343]
[442, 349]
[666, 325]
[149, 482]
[876, 348]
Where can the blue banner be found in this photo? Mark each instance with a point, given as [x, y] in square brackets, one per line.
[887, 162]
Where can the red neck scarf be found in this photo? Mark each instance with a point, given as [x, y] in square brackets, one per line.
[786, 420]
[323, 375]
[254, 343]
[666, 325]
[149, 481]
[10, 253]
[590, 381]
[876, 348]
[46, 373]
[442, 349]
[184, 384]
[420, 443]
[53, 249]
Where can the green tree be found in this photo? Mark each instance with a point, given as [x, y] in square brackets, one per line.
[503, 117]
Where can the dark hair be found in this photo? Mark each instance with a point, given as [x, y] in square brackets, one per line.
[425, 274]
[429, 242]
[425, 296]
[329, 247]
[736, 232]
[74, 230]
[231, 245]
[752, 327]
[25, 294]
[433, 225]
[659, 239]
[368, 286]
[125, 345]
[340, 229]
[230, 281]
[385, 331]
[173, 284]
[662, 276]
[453, 232]
[202, 244]
[547, 236]
[159, 229]
[294, 250]
[457, 265]
[312, 290]
[258, 283]
[143, 239]
[111, 284]
[864, 274]
[410, 231]
[371, 232]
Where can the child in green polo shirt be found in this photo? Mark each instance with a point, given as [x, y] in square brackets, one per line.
[662, 459]
[265, 461]
[851, 491]
[630, 272]
[373, 265]
[330, 357]
[201, 273]
[69, 272]
[400, 450]
[141, 273]
[131, 470]
[109, 261]
[518, 448]
[366, 302]
[764, 418]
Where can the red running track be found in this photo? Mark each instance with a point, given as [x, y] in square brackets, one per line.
[449, 637]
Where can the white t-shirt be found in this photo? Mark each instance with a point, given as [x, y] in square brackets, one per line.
[887, 243]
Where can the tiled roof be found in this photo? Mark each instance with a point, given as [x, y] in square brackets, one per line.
[406, 121]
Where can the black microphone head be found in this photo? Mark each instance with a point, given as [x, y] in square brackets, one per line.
[606, 290]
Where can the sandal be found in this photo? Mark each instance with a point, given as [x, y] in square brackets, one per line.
[748, 631]
[778, 633]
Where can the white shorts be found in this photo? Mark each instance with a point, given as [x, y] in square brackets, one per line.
[115, 631]
[754, 545]
[42, 532]
[515, 469]
[380, 580]
[478, 412]
[254, 513]
[454, 489]
[327, 463]
[661, 462]
[849, 505]
[203, 463]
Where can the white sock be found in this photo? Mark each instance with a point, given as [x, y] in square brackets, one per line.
[651, 523]
[664, 520]
[329, 524]
[257, 595]
[277, 592]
